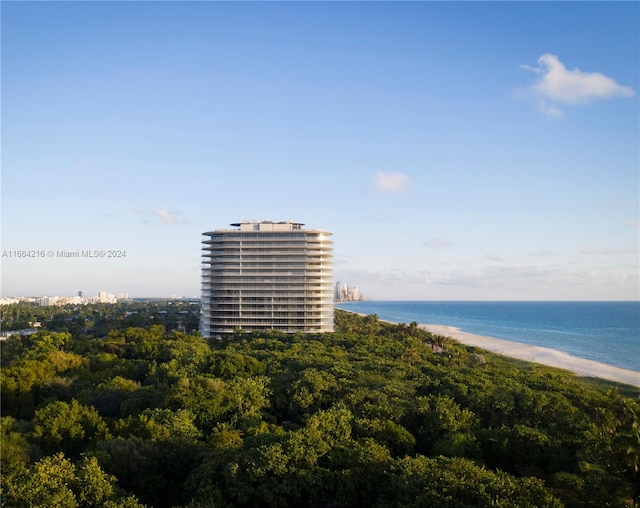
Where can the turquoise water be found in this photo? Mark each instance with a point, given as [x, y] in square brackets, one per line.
[607, 332]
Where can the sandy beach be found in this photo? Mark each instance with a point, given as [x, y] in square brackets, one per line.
[542, 355]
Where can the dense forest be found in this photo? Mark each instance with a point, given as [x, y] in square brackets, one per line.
[126, 406]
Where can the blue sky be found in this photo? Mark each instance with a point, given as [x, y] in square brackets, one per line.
[465, 151]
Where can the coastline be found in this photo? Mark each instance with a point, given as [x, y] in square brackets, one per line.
[536, 354]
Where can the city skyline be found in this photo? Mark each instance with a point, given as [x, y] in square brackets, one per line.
[81, 298]
[456, 150]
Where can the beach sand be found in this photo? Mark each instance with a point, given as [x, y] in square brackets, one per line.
[542, 355]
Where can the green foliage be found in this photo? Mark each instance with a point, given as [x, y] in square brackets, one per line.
[110, 402]
[67, 427]
[160, 424]
[228, 363]
[388, 433]
[443, 482]
[204, 397]
[110, 394]
[55, 482]
[46, 484]
[14, 449]
[29, 379]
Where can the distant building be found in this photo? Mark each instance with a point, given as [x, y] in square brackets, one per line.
[104, 297]
[27, 331]
[346, 293]
[81, 299]
[267, 276]
[46, 301]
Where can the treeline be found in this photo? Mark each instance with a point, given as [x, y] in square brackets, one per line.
[96, 320]
[373, 414]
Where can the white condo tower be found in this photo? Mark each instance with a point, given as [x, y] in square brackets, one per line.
[267, 276]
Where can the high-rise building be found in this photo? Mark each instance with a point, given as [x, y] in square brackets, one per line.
[267, 276]
[346, 293]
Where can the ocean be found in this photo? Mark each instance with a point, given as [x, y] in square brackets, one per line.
[607, 332]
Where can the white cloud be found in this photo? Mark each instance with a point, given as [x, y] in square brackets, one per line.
[549, 109]
[436, 243]
[603, 251]
[559, 85]
[165, 216]
[143, 215]
[390, 182]
[170, 217]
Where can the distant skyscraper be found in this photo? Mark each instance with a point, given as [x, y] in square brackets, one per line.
[267, 276]
[344, 292]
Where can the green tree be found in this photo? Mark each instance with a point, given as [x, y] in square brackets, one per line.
[47, 485]
[54, 482]
[246, 398]
[457, 482]
[313, 390]
[161, 424]
[20, 381]
[392, 435]
[14, 449]
[111, 394]
[442, 426]
[68, 427]
[204, 397]
[154, 471]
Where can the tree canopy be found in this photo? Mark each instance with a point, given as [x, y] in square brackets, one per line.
[110, 412]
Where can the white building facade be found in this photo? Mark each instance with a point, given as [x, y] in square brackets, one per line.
[267, 276]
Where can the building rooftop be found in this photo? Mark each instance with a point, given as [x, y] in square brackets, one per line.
[265, 225]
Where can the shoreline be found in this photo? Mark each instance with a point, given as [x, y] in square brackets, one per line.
[537, 354]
